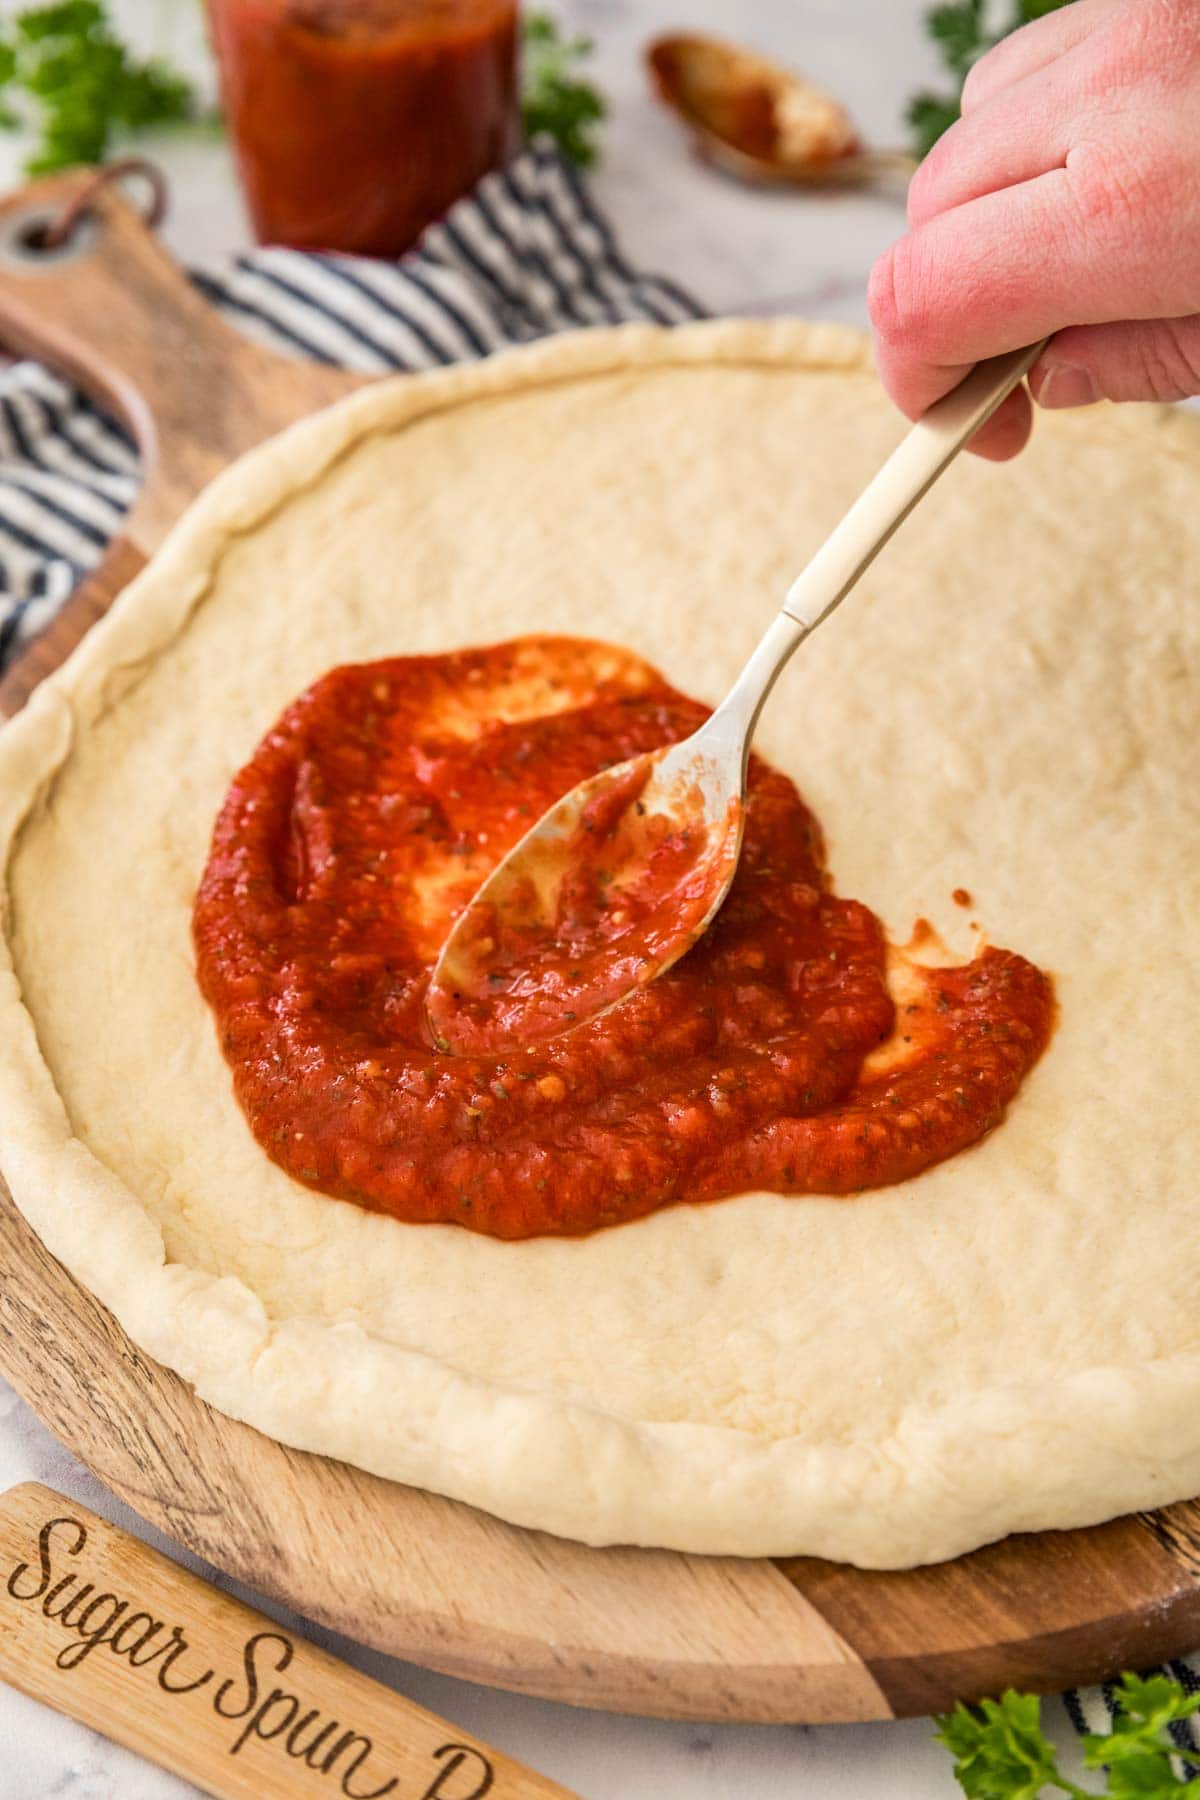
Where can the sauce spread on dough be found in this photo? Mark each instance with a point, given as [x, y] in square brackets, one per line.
[584, 914]
[771, 1056]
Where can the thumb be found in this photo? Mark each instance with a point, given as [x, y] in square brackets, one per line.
[1151, 359]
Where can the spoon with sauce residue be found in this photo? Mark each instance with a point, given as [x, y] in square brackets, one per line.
[622, 875]
[761, 122]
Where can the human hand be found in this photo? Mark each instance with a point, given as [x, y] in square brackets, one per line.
[1066, 200]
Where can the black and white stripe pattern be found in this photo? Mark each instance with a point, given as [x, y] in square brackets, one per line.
[67, 475]
[1095, 1710]
[526, 254]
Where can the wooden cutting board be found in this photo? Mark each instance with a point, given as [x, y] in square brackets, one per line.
[430, 1580]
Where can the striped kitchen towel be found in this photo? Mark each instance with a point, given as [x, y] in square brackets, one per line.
[524, 255]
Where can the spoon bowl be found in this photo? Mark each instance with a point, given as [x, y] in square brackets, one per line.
[606, 891]
[759, 121]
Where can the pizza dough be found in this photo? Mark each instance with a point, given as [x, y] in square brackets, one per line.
[1007, 705]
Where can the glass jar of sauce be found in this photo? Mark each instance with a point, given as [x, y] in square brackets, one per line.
[356, 122]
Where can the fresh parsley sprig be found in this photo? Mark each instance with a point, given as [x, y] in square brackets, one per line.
[65, 71]
[963, 31]
[554, 99]
[1001, 1753]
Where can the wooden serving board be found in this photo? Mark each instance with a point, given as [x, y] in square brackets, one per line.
[640, 1631]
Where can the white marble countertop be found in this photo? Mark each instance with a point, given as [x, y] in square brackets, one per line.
[737, 251]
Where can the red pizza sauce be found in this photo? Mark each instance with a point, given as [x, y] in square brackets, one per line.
[362, 826]
[582, 914]
[356, 122]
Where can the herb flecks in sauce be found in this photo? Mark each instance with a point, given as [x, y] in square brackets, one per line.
[364, 823]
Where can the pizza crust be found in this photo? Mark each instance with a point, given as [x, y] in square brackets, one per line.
[1007, 705]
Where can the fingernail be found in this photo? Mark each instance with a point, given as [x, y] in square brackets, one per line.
[1064, 385]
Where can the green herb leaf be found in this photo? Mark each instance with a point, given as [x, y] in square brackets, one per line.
[999, 1750]
[1139, 1754]
[957, 29]
[64, 69]
[929, 115]
[9, 118]
[1001, 1753]
[554, 99]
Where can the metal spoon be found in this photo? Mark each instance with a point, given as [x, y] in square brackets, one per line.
[761, 122]
[505, 977]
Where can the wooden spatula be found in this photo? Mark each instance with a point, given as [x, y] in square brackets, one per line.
[98, 1625]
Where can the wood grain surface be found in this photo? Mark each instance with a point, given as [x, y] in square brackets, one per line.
[98, 1625]
[640, 1631]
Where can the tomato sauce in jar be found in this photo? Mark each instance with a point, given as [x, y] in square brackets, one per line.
[357, 122]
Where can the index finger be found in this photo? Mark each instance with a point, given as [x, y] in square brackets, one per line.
[1000, 271]
[1031, 48]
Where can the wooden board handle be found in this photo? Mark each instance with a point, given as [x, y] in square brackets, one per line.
[98, 1625]
[113, 312]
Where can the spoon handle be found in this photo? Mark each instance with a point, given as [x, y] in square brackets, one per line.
[908, 473]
